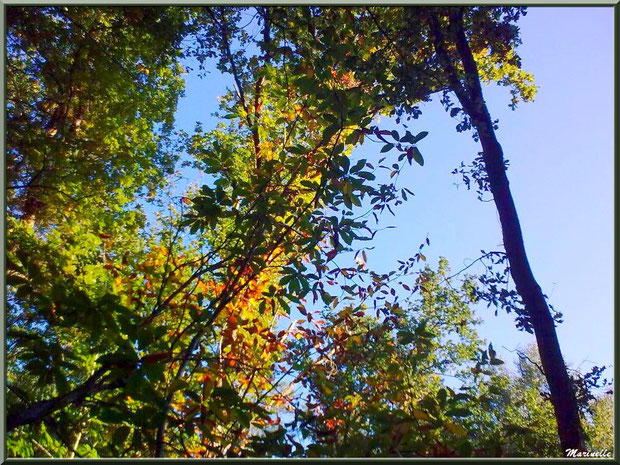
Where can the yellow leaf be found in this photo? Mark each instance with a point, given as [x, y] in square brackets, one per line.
[421, 415]
[456, 429]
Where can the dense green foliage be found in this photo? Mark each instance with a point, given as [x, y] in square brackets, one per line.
[241, 318]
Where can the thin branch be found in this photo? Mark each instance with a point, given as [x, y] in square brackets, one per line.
[446, 62]
[42, 449]
[233, 66]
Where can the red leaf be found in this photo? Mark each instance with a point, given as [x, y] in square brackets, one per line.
[152, 358]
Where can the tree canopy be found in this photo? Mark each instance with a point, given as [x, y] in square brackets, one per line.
[241, 318]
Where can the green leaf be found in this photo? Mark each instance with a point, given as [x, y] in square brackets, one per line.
[111, 415]
[225, 393]
[408, 137]
[121, 434]
[420, 136]
[459, 412]
[417, 156]
[154, 372]
[460, 396]
[330, 131]
[405, 337]
[358, 166]
[442, 395]
[178, 384]
[393, 368]
[137, 440]
[466, 449]
[387, 148]
[61, 381]
[284, 305]
[307, 84]
[366, 175]
[347, 201]
[353, 138]
[243, 418]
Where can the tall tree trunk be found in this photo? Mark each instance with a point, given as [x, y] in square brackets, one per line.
[471, 98]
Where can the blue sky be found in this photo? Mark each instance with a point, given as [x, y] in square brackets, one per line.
[561, 156]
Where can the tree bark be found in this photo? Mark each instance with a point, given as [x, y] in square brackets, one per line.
[38, 411]
[471, 98]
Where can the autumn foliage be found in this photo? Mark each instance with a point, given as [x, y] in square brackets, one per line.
[241, 317]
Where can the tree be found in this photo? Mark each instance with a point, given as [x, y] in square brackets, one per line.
[171, 307]
[194, 360]
[378, 386]
[515, 414]
[469, 93]
[75, 77]
[466, 45]
[82, 143]
[601, 429]
[416, 381]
